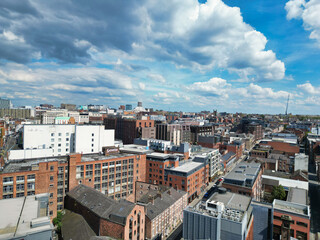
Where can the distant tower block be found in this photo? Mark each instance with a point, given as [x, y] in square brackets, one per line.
[139, 104]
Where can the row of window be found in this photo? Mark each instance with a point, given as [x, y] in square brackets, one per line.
[18, 178]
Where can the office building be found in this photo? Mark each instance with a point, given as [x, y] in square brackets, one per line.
[25, 218]
[224, 216]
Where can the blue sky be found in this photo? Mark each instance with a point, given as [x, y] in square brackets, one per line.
[232, 55]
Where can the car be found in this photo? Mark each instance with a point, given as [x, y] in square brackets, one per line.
[220, 179]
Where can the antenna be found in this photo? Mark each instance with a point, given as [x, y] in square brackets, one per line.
[287, 104]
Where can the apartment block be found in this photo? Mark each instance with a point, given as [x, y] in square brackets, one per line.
[17, 113]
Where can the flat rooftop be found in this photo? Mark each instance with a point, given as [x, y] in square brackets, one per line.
[298, 195]
[134, 148]
[97, 157]
[17, 214]
[291, 207]
[243, 173]
[187, 167]
[232, 200]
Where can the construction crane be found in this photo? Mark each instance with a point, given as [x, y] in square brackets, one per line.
[287, 104]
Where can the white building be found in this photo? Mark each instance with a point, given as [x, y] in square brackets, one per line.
[59, 140]
[49, 116]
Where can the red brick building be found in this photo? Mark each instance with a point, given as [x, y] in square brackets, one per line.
[291, 219]
[117, 219]
[290, 148]
[113, 175]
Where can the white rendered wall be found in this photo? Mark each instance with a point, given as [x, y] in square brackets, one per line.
[91, 139]
[30, 153]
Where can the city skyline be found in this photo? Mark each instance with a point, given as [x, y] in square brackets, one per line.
[234, 56]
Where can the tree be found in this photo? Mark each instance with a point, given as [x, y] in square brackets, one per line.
[57, 222]
[278, 192]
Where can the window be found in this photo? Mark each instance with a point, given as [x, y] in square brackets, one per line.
[31, 177]
[20, 187]
[302, 224]
[30, 186]
[67, 149]
[59, 134]
[52, 134]
[67, 134]
[51, 213]
[52, 145]
[52, 139]
[92, 140]
[51, 178]
[8, 188]
[51, 195]
[92, 134]
[67, 144]
[59, 150]
[20, 178]
[92, 145]
[67, 139]
[20, 194]
[59, 139]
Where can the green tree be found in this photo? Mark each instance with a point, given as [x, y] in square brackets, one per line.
[278, 192]
[57, 222]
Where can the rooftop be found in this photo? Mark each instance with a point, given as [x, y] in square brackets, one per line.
[101, 205]
[24, 216]
[298, 195]
[291, 207]
[244, 174]
[187, 167]
[163, 202]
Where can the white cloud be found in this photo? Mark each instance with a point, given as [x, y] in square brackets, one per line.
[142, 86]
[309, 88]
[11, 36]
[309, 12]
[157, 78]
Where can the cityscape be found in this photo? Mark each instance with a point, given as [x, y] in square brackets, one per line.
[195, 119]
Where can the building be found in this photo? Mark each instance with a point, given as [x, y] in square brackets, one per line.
[301, 162]
[291, 218]
[107, 217]
[209, 141]
[208, 156]
[25, 218]
[197, 131]
[282, 146]
[69, 107]
[129, 129]
[5, 103]
[17, 113]
[263, 220]
[245, 179]
[163, 207]
[169, 132]
[58, 140]
[49, 116]
[223, 216]
[228, 161]
[114, 175]
[191, 177]
[128, 107]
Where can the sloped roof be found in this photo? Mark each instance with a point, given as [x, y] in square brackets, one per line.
[101, 205]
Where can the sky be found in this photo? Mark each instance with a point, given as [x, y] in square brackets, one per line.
[177, 55]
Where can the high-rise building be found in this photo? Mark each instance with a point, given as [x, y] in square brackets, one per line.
[5, 103]
[128, 107]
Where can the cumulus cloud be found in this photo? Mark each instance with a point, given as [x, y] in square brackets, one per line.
[309, 88]
[217, 87]
[309, 12]
[201, 36]
[142, 86]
